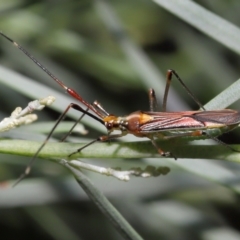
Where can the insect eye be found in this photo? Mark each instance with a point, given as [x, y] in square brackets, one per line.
[109, 125]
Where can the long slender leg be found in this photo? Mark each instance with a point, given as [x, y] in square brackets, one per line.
[98, 106]
[222, 143]
[171, 72]
[161, 152]
[32, 160]
[74, 125]
[152, 100]
[201, 133]
[168, 82]
[169, 154]
[99, 139]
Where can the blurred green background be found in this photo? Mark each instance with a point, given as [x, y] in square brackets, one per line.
[72, 39]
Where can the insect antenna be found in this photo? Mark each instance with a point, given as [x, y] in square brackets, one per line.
[70, 91]
[95, 107]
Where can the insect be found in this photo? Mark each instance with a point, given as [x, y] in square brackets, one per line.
[201, 124]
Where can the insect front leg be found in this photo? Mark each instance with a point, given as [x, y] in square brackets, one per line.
[97, 106]
[32, 160]
[74, 125]
[99, 139]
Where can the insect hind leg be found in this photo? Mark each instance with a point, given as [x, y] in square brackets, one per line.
[170, 73]
[169, 154]
[222, 143]
[152, 100]
[161, 152]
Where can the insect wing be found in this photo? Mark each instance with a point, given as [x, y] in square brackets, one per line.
[161, 121]
[225, 117]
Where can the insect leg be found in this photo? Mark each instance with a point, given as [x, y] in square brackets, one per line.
[201, 133]
[98, 107]
[171, 72]
[74, 125]
[161, 152]
[99, 139]
[222, 143]
[152, 100]
[32, 160]
[169, 154]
